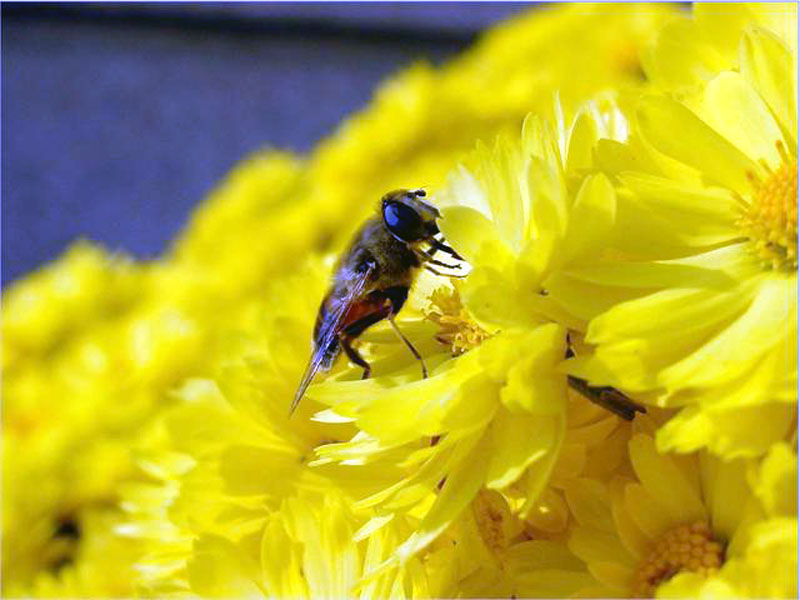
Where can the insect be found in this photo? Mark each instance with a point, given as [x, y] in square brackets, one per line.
[372, 280]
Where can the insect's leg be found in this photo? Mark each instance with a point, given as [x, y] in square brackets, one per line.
[409, 345]
[439, 263]
[438, 245]
[355, 357]
[607, 397]
[427, 259]
[435, 272]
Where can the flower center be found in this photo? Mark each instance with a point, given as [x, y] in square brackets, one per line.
[688, 547]
[771, 218]
[458, 330]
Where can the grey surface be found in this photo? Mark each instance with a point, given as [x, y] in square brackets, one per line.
[117, 120]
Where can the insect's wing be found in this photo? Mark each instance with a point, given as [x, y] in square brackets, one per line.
[330, 328]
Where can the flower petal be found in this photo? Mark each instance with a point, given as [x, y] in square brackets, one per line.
[698, 145]
[517, 441]
[665, 482]
[769, 66]
[742, 431]
[591, 219]
[765, 323]
[737, 113]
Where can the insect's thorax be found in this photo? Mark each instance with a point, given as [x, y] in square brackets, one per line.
[394, 261]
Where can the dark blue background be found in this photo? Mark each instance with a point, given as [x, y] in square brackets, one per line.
[118, 119]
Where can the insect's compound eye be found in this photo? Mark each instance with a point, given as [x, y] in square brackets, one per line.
[403, 221]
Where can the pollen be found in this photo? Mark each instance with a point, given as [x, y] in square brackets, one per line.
[493, 519]
[770, 221]
[458, 331]
[688, 547]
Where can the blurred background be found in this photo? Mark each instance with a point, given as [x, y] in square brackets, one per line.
[119, 118]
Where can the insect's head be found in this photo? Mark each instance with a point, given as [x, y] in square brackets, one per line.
[408, 218]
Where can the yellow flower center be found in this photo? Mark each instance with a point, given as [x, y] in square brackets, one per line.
[458, 331]
[689, 547]
[771, 218]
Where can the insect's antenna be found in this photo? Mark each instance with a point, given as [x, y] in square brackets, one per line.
[445, 248]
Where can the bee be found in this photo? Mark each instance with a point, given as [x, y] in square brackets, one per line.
[372, 280]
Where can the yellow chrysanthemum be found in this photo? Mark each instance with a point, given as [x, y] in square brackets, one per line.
[714, 184]
[489, 552]
[524, 213]
[689, 526]
[765, 565]
[43, 310]
[495, 415]
[486, 418]
[59, 461]
[92, 561]
[309, 546]
[91, 345]
[229, 454]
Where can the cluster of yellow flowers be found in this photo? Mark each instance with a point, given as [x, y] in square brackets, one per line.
[631, 204]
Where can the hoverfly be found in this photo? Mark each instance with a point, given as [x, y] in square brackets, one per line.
[372, 280]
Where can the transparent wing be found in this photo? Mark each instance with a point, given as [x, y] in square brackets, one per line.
[331, 328]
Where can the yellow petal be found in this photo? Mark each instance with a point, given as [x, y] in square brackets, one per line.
[283, 576]
[694, 585]
[776, 485]
[738, 432]
[665, 481]
[589, 501]
[541, 554]
[736, 112]
[551, 583]
[220, 569]
[532, 384]
[681, 57]
[769, 66]
[734, 351]
[698, 145]
[614, 575]
[723, 480]
[582, 139]
[548, 513]
[649, 516]
[591, 219]
[631, 536]
[592, 545]
[456, 494]
[685, 214]
[518, 440]
[472, 234]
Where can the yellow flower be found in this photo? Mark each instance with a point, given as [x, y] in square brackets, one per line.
[713, 192]
[484, 418]
[686, 523]
[228, 454]
[310, 548]
[44, 309]
[489, 553]
[523, 213]
[93, 345]
[765, 565]
[495, 415]
[97, 565]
